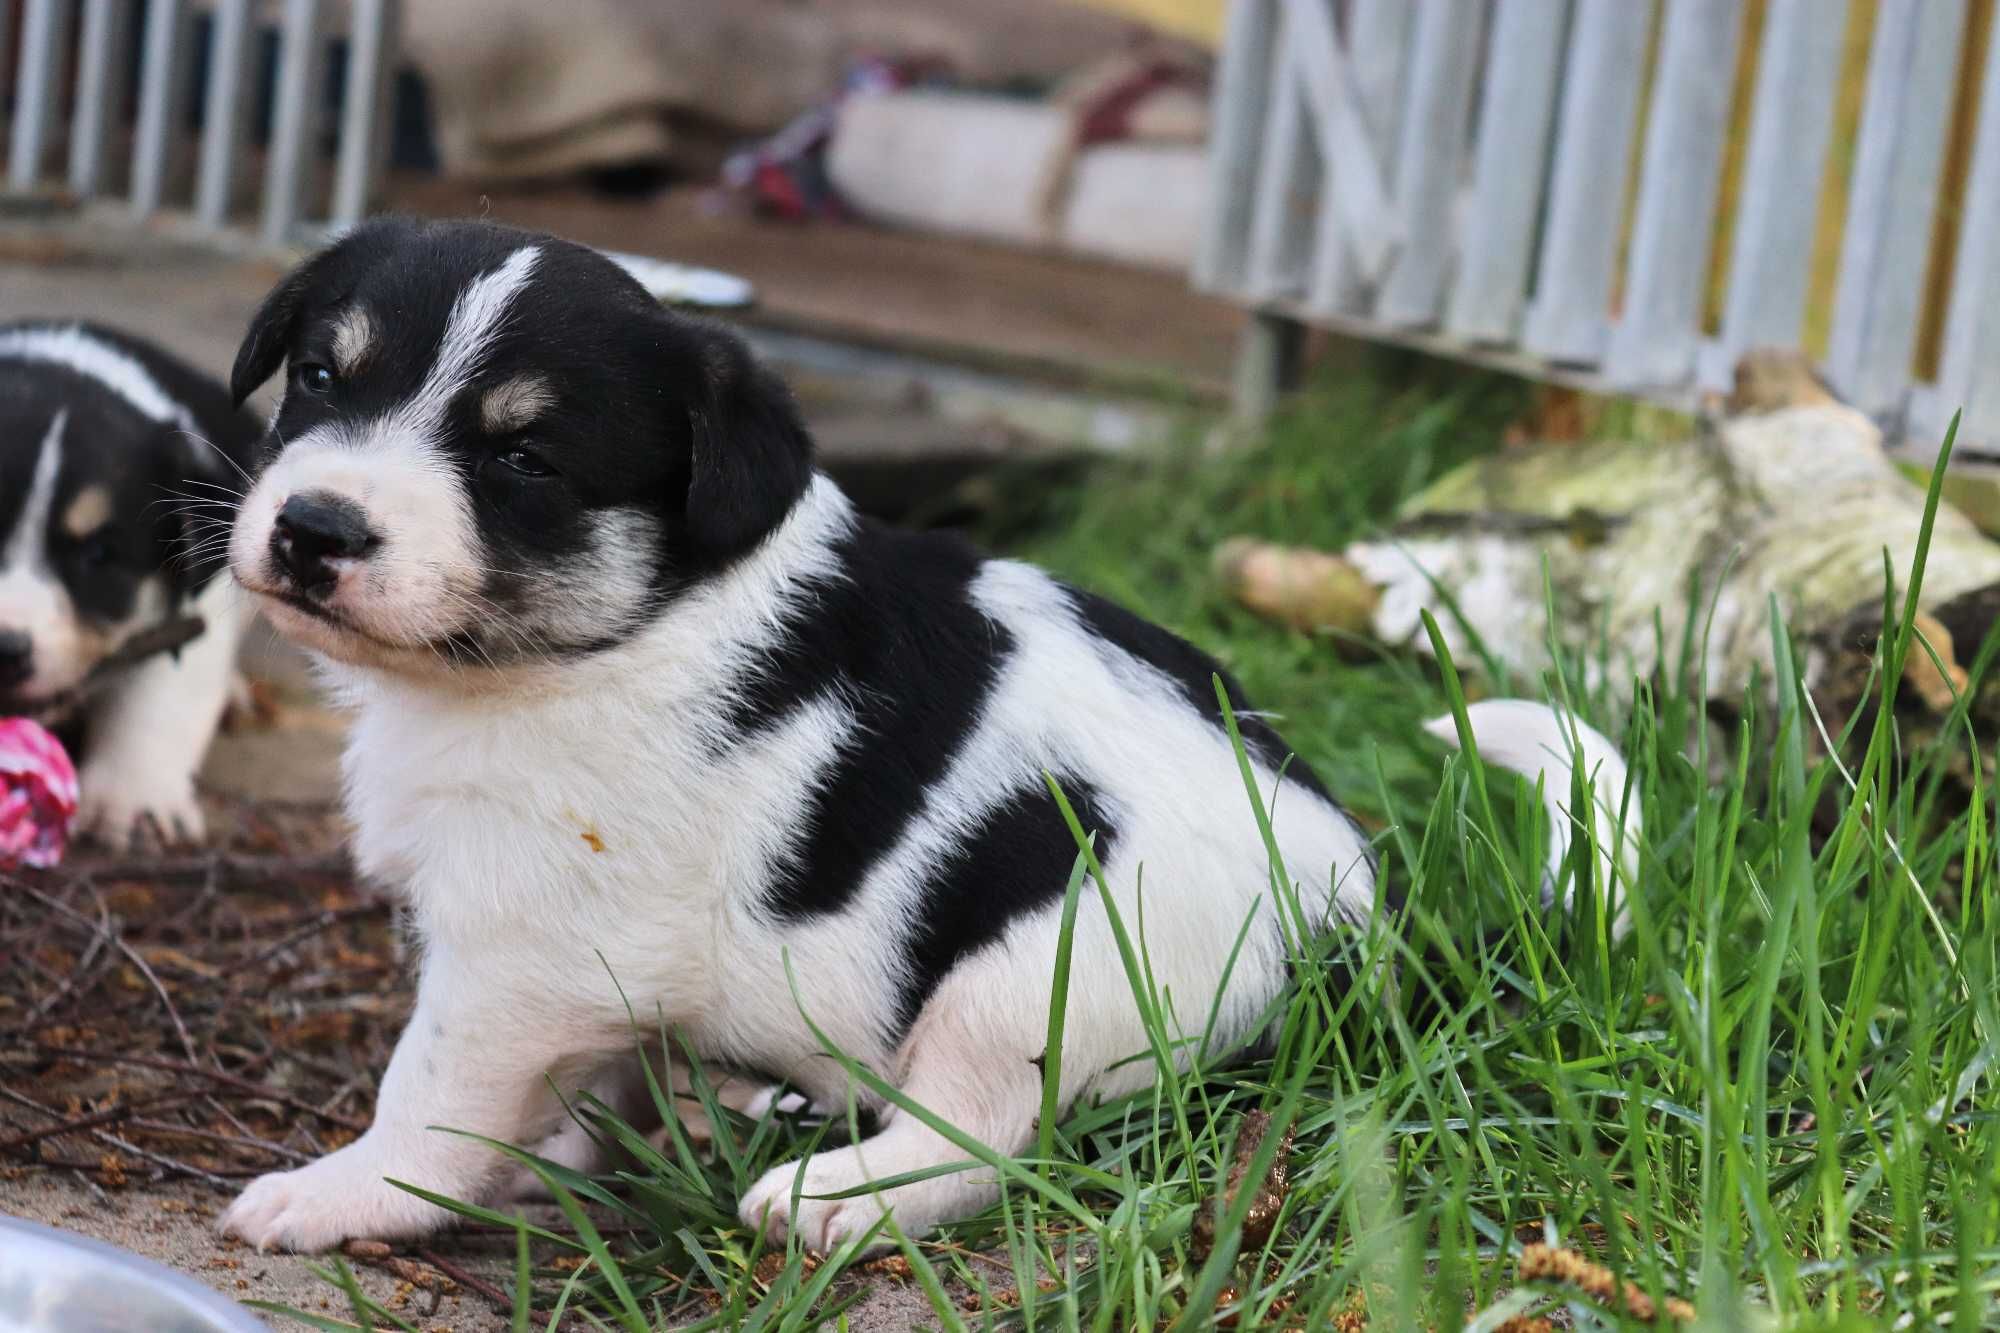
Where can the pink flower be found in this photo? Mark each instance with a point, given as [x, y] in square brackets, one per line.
[37, 794]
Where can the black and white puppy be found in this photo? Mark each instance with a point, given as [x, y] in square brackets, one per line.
[119, 467]
[630, 679]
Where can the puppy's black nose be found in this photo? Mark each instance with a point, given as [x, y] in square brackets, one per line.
[17, 657]
[312, 531]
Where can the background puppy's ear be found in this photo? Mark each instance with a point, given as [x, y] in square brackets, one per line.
[270, 332]
[751, 458]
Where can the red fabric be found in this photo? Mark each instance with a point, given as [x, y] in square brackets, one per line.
[37, 794]
[1108, 116]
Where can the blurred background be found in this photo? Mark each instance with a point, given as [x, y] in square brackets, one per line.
[1616, 196]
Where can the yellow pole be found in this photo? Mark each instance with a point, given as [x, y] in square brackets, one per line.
[1196, 20]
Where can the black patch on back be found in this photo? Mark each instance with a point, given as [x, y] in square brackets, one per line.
[1194, 671]
[899, 638]
[1017, 860]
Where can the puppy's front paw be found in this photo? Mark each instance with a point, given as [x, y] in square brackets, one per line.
[824, 1225]
[339, 1197]
[122, 805]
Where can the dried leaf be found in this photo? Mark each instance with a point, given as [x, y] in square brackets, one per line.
[1262, 1218]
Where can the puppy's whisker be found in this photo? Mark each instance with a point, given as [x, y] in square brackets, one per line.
[219, 452]
[214, 486]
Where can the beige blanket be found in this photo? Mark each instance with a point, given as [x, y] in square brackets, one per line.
[539, 88]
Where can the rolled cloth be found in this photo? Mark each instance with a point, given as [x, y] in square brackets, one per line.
[523, 88]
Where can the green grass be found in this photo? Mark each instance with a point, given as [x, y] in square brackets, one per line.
[1773, 1099]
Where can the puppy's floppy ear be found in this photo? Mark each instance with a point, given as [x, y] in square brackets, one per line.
[751, 457]
[270, 332]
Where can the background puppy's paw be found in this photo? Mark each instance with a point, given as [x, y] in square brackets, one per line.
[317, 1207]
[123, 808]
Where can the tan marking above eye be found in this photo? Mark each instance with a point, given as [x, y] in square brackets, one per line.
[353, 340]
[89, 511]
[516, 403]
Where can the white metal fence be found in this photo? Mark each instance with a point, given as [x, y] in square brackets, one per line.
[82, 97]
[1538, 183]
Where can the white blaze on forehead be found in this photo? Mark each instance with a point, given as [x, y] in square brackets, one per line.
[25, 547]
[32, 600]
[74, 347]
[477, 317]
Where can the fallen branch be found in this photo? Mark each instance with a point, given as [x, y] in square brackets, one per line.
[502, 1303]
[242, 1085]
[109, 1116]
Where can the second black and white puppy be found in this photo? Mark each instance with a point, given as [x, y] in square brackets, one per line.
[632, 682]
[119, 468]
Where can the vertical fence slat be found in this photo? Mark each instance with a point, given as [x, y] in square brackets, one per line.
[1600, 101]
[1658, 332]
[1517, 109]
[1378, 46]
[1911, 68]
[226, 110]
[299, 60]
[1289, 174]
[1791, 123]
[371, 47]
[1247, 73]
[162, 79]
[100, 89]
[1969, 377]
[1444, 60]
[35, 90]
[1356, 220]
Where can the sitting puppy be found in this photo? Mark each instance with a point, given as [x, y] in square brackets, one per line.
[631, 681]
[119, 469]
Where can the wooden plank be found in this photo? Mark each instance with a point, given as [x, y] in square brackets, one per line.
[364, 107]
[101, 89]
[1287, 178]
[1892, 200]
[163, 73]
[1368, 224]
[1791, 123]
[42, 32]
[1244, 81]
[1377, 59]
[226, 111]
[1680, 175]
[1516, 114]
[1568, 315]
[1969, 376]
[300, 67]
[1430, 158]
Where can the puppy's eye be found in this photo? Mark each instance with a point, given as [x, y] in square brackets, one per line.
[95, 552]
[526, 463]
[313, 378]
